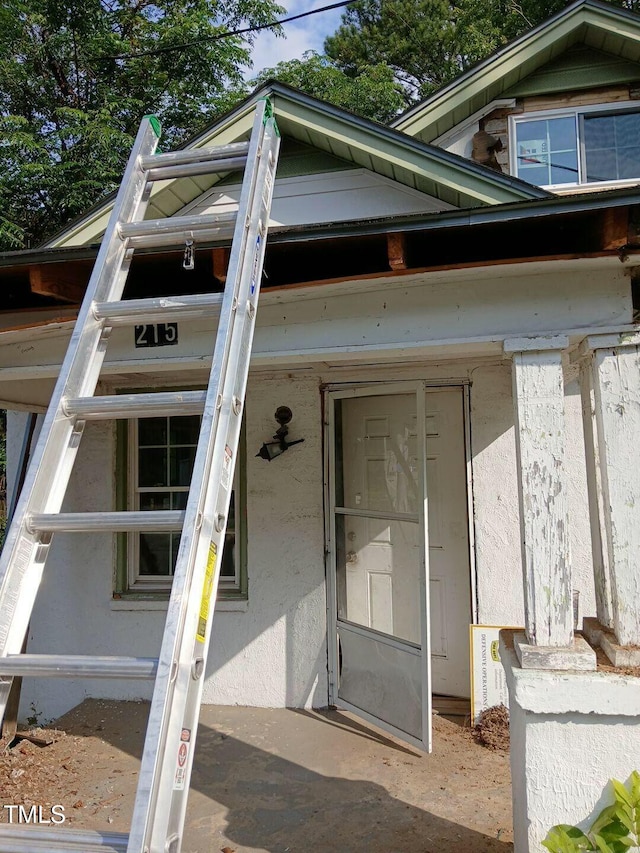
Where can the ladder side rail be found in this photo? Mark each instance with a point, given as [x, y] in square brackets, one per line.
[227, 436]
[23, 556]
[174, 670]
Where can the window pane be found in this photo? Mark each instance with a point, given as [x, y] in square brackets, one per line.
[231, 521]
[166, 449]
[598, 132]
[611, 146]
[629, 163]
[547, 151]
[562, 133]
[152, 467]
[538, 175]
[179, 500]
[228, 567]
[181, 464]
[155, 500]
[601, 165]
[627, 127]
[184, 430]
[152, 431]
[564, 168]
[175, 544]
[154, 554]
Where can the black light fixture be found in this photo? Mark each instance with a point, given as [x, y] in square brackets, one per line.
[271, 449]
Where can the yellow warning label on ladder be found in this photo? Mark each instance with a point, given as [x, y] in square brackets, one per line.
[206, 592]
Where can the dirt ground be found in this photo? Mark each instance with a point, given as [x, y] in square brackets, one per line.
[279, 781]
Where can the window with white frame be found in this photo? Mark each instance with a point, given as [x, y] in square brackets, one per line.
[161, 453]
[579, 146]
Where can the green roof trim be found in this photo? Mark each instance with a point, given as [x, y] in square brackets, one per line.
[343, 136]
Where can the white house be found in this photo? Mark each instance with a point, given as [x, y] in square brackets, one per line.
[438, 329]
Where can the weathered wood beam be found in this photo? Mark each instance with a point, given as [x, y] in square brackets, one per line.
[66, 282]
[538, 390]
[616, 381]
[220, 258]
[396, 251]
[615, 227]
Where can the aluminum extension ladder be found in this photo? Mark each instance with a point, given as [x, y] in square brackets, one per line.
[161, 798]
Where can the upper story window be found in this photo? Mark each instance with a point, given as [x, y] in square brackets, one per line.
[581, 146]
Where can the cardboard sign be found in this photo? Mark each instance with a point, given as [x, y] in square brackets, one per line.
[488, 682]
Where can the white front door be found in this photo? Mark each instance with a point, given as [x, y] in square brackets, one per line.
[381, 447]
[449, 569]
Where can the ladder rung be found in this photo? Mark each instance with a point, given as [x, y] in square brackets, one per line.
[195, 155]
[27, 839]
[163, 309]
[152, 405]
[175, 230]
[203, 167]
[152, 521]
[71, 666]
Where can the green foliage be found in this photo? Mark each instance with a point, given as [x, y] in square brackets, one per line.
[427, 43]
[615, 830]
[372, 91]
[69, 108]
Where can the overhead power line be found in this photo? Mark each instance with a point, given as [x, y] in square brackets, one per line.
[219, 36]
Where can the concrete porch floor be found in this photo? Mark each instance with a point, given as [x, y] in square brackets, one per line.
[292, 781]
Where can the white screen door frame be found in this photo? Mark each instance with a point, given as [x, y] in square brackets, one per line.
[416, 656]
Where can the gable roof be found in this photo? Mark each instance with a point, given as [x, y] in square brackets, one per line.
[355, 141]
[600, 27]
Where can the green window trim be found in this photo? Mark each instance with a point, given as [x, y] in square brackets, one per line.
[122, 586]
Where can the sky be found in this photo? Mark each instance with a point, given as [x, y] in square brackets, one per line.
[306, 34]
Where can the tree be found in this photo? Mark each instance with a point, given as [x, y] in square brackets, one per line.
[70, 105]
[372, 91]
[429, 42]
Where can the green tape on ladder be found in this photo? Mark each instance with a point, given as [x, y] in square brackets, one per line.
[154, 121]
[269, 113]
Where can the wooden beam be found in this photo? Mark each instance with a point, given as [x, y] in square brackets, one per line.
[221, 263]
[466, 265]
[66, 282]
[396, 251]
[615, 224]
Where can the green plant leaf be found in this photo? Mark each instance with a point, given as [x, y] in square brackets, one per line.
[564, 838]
[601, 845]
[621, 793]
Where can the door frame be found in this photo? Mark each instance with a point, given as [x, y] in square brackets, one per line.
[348, 390]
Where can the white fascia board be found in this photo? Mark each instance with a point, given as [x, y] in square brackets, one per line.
[500, 103]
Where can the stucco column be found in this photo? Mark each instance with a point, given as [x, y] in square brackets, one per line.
[613, 362]
[538, 393]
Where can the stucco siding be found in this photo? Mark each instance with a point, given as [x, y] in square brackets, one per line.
[270, 652]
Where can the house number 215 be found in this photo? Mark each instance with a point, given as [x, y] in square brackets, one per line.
[156, 335]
